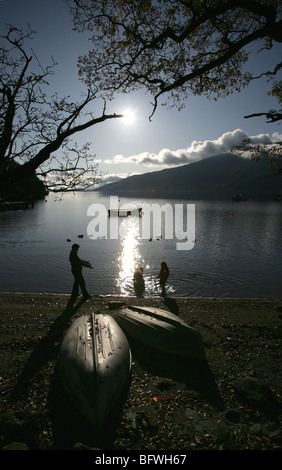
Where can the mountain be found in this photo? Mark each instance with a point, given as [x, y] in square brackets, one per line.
[217, 177]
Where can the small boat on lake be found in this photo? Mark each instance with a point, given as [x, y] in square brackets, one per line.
[161, 330]
[239, 197]
[125, 212]
[94, 365]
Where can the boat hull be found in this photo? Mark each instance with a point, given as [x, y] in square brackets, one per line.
[94, 364]
[161, 330]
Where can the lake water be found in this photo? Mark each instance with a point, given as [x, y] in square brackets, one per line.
[237, 255]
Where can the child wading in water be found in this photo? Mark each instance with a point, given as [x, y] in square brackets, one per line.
[138, 279]
[163, 275]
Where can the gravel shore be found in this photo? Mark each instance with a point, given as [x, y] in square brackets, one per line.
[172, 404]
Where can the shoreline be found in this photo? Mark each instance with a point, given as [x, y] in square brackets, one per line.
[137, 298]
[179, 406]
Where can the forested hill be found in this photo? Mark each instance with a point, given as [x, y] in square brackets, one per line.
[217, 177]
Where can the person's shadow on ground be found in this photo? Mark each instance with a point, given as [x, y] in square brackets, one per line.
[47, 349]
[171, 304]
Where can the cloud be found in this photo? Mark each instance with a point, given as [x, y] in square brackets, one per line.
[261, 139]
[197, 150]
[276, 137]
[111, 178]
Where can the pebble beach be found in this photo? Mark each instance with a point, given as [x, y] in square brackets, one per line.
[230, 401]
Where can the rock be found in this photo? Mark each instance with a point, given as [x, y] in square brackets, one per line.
[203, 425]
[143, 417]
[16, 446]
[114, 305]
[19, 426]
[232, 415]
[259, 430]
[276, 436]
[164, 385]
[252, 392]
[80, 446]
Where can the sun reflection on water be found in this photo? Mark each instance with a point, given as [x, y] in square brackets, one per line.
[130, 256]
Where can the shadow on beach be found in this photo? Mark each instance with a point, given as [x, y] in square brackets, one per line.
[194, 374]
[47, 349]
[69, 427]
[171, 304]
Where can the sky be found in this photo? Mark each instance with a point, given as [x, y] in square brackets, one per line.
[202, 129]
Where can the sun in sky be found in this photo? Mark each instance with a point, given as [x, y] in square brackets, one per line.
[129, 116]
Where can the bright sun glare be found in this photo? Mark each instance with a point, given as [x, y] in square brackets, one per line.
[129, 116]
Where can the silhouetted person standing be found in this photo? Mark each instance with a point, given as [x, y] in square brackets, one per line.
[138, 279]
[163, 275]
[76, 268]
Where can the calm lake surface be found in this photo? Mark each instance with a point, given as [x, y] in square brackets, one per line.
[237, 255]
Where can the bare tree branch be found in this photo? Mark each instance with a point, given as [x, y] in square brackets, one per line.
[271, 116]
[33, 127]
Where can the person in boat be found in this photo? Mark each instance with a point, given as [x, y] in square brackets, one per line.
[138, 279]
[76, 268]
[163, 275]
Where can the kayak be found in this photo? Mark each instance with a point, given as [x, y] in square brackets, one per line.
[94, 365]
[161, 330]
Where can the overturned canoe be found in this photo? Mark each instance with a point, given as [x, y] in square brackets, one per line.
[94, 364]
[161, 330]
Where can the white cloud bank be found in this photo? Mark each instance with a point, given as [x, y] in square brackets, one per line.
[198, 150]
[113, 177]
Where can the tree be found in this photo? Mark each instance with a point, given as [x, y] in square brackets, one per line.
[271, 152]
[173, 48]
[33, 126]
[272, 115]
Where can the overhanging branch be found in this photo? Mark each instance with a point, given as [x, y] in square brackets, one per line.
[271, 116]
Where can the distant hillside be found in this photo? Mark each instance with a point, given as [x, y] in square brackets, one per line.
[216, 177]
